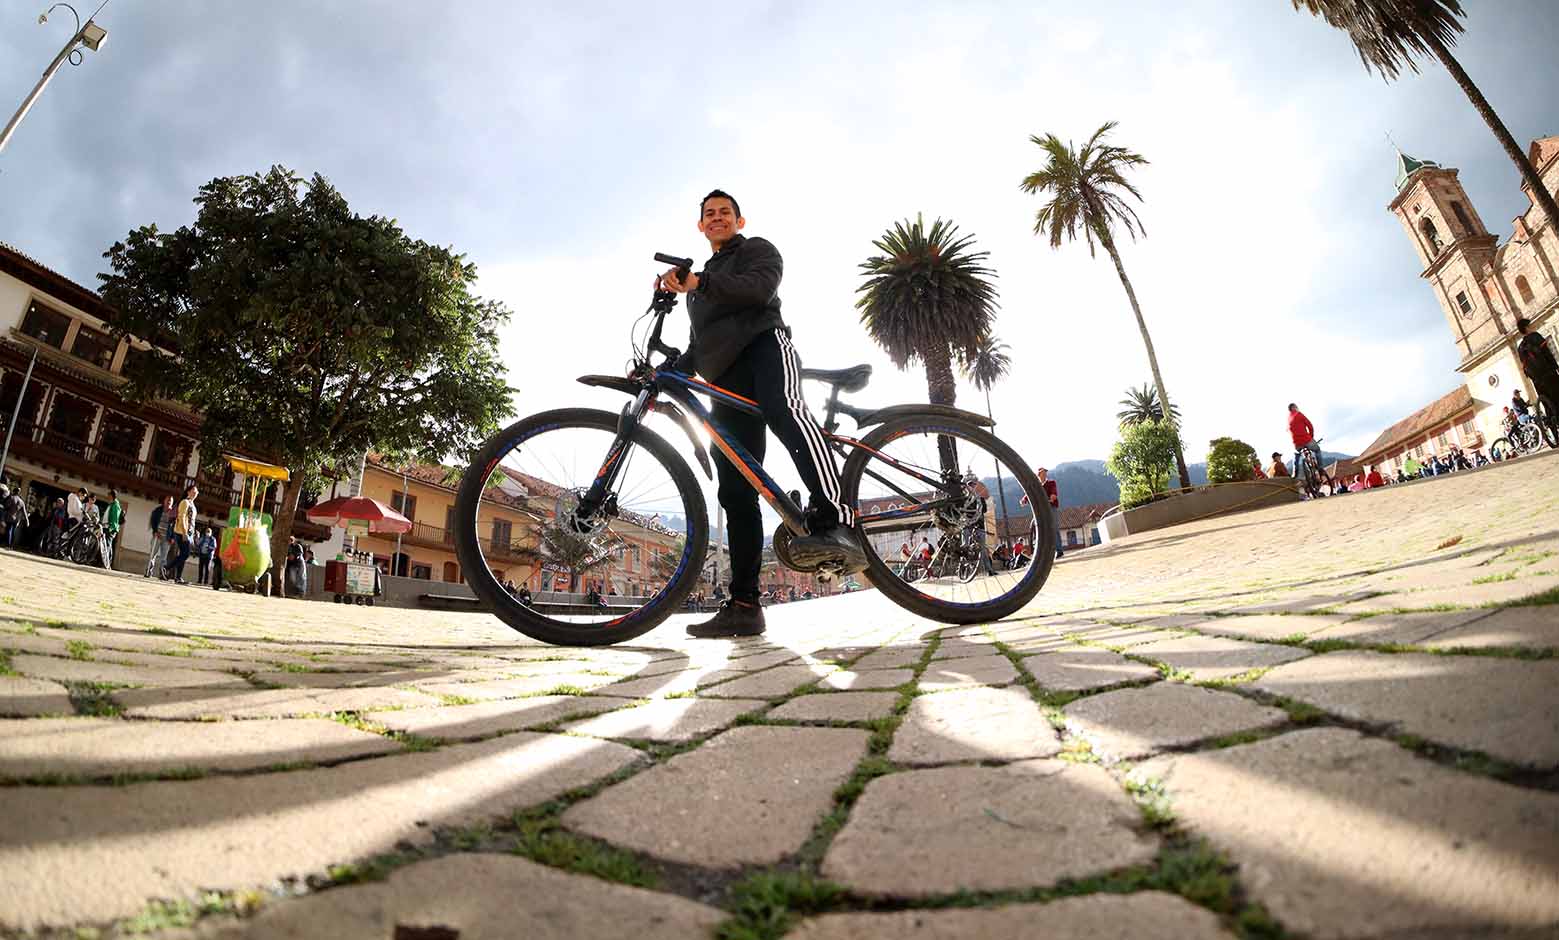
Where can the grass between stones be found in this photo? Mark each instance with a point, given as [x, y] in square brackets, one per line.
[93, 698]
[79, 649]
[6, 669]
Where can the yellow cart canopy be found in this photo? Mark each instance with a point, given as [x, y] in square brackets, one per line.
[255, 468]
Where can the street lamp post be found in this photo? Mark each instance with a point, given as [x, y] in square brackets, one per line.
[91, 35]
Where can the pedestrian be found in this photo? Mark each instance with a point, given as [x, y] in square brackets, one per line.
[1255, 470]
[1053, 493]
[113, 518]
[296, 581]
[180, 534]
[1540, 366]
[13, 511]
[205, 547]
[75, 508]
[161, 523]
[1374, 478]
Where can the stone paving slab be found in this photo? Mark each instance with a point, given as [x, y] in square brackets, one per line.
[460, 722]
[929, 832]
[771, 683]
[1043, 643]
[837, 706]
[962, 673]
[23, 696]
[75, 670]
[1094, 917]
[960, 648]
[1400, 628]
[677, 719]
[749, 796]
[1266, 626]
[850, 680]
[1206, 657]
[1339, 835]
[355, 680]
[465, 894]
[99, 747]
[1531, 627]
[666, 684]
[1130, 723]
[34, 643]
[1504, 707]
[186, 704]
[973, 724]
[890, 657]
[1111, 635]
[491, 690]
[70, 854]
[1081, 668]
[1467, 595]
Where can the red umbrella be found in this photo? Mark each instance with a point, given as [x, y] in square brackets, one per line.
[346, 509]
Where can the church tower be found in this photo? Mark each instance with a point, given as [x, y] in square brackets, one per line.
[1456, 250]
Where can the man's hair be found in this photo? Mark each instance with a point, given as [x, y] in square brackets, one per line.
[1522, 323]
[1292, 407]
[720, 194]
[1276, 456]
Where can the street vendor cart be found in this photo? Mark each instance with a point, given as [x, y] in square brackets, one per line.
[244, 554]
[349, 580]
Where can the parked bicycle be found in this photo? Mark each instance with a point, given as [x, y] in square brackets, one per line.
[86, 543]
[606, 478]
[1521, 438]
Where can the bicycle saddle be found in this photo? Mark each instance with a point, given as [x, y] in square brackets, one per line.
[852, 379]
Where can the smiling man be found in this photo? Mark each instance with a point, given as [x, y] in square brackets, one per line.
[740, 343]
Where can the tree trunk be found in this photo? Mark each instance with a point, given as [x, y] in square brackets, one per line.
[1147, 342]
[942, 389]
[1001, 489]
[281, 529]
[1518, 156]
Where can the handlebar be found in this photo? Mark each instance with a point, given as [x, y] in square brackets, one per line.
[683, 265]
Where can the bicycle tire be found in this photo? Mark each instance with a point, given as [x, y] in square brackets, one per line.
[917, 602]
[82, 548]
[1530, 438]
[1501, 449]
[527, 620]
[1547, 421]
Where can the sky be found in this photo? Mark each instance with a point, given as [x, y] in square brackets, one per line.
[560, 145]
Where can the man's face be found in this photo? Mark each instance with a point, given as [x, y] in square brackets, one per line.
[719, 220]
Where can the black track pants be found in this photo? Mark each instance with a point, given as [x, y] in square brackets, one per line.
[769, 372]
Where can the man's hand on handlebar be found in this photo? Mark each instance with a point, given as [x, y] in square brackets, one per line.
[670, 281]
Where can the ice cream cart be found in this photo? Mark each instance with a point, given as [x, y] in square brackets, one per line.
[349, 580]
[244, 554]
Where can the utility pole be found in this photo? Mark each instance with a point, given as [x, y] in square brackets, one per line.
[91, 35]
[21, 397]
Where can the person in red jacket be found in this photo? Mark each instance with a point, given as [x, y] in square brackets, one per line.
[1054, 495]
[1374, 479]
[1303, 433]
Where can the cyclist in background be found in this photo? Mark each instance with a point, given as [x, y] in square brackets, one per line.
[1303, 433]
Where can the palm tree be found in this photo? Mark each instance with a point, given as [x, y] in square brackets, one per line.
[928, 298]
[1087, 188]
[1142, 404]
[990, 364]
[577, 553]
[1390, 34]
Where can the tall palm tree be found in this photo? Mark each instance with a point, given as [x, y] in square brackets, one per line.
[1142, 404]
[576, 553]
[928, 298]
[989, 365]
[1390, 34]
[1087, 190]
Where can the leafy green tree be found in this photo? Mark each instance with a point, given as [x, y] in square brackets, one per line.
[1391, 34]
[1143, 460]
[307, 333]
[1230, 460]
[664, 564]
[575, 553]
[1142, 404]
[989, 365]
[1088, 190]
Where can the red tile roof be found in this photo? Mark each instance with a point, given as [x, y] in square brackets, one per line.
[1438, 412]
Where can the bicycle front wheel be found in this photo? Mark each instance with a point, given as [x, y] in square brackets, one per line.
[599, 574]
[906, 480]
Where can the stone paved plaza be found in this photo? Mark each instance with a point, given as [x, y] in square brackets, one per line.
[1337, 719]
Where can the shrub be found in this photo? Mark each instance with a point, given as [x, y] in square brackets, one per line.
[1229, 460]
[1143, 460]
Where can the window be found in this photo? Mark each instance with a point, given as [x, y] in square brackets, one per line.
[1523, 288]
[422, 572]
[94, 346]
[503, 535]
[1463, 304]
[451, 572]
[70, 423]
[10, 389]
[1462, 217]
[449, 526]
[1071, 538]
[45, 325]
[119, 442]
[169, 459]
[404, 503]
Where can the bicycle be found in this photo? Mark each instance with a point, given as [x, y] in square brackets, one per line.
[1308, 470]
[1521, 438]
[601, 483]
[86, 543]
[1546, 417]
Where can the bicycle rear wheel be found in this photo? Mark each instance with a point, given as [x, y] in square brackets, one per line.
[641, 551]
[1547, 420]
[886, 479]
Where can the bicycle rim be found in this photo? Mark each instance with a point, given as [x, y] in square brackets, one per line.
[596, 576]
[887, 480]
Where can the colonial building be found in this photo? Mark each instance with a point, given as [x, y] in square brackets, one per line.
[1482, 286]
[72, 429]
[1076, 526]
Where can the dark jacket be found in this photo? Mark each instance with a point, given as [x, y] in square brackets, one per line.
[1537, 360]
[737, 300]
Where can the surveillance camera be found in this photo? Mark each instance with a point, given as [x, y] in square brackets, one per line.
[92, 35]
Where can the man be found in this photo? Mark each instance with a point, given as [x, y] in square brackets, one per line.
[183, 530]
[161, 525]
[1540, 366]
[113, 518]
[1303, 433]
[1277, 469]
[1256, 473]
[75, 508]
[14, 511]
[1522, 407]
[1374, 479]
[205, 547]
[1053, 493]
[740, 343]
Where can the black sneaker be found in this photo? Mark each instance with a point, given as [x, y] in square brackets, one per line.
[736, 618]
[835, 543]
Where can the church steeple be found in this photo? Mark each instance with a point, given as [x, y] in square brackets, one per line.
[1407, 166]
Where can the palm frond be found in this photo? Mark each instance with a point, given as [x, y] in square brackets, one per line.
[1142, 404]
[1390, 35]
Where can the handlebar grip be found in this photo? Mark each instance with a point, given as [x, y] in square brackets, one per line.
[674, 261]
